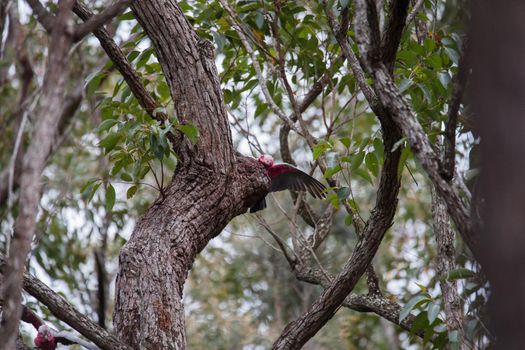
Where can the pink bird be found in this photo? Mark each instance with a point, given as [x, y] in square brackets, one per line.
[287, 177]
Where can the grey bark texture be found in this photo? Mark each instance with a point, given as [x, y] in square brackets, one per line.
[446, 261]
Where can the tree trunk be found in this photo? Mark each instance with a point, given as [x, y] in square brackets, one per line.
[499, 99]
[211, 186]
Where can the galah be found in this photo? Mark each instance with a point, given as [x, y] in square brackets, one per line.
[287, 177]
[48, 338]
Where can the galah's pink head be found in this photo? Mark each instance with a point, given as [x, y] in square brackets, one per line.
[266, 160]
[45, 339]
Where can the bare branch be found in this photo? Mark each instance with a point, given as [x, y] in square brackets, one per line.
[98, 21]
[71, 104]
[458, 87]
[44, 17]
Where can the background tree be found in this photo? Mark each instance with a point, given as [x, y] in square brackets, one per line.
[141, 151]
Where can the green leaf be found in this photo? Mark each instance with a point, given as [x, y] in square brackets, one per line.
[144, 57]
[432, 311]
[421, 287]
[163, 90]
[346, 141]
[343, 193]
[126, 177]
[332, 171]
[110, 141]
[259, 19]
[460, 274]
[92, 84]
[132, 55]
[110, 197]
[89, 191]
[357, 160]
[107, 124]
[319, 149]
[420, 322]
[405, 84]
[405, 311]
[365, 175]
[89, 183]
[452, 54]
[126, 16]
[191, 132]
[348, 220]
[372, 164]
[453, 336]
[131, 191]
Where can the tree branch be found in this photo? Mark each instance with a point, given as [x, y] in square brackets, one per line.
[446, 262]
[393, 31]
[65, 312]
[458, 87]
[98, 21]
[297, 333]
[405, 119]
[43, 16]
[129, 74]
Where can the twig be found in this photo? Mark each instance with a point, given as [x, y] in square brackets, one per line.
[256, 66]
[414, 12]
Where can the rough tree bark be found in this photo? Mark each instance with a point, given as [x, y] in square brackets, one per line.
[34, 161]
[446, 261]
[498, 95]
[210, 187]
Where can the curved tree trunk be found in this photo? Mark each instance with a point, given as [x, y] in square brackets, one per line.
[210, 187]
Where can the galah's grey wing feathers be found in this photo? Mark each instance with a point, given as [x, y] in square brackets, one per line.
[298, 181]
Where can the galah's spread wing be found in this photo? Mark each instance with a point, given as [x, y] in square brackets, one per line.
[287, 177]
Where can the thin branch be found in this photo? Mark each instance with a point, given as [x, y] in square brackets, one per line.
[43, 16]
[292, 260]
[129, 74]
[256, 66]
[458, 87]
[353, 61]
[414, 12]
[282, 70]
[98, 21]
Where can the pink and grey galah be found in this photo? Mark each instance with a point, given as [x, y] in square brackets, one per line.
[287, 177]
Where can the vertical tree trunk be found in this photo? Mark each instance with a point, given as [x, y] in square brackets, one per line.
[210, 187]
[446, 261]
[499, 100]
